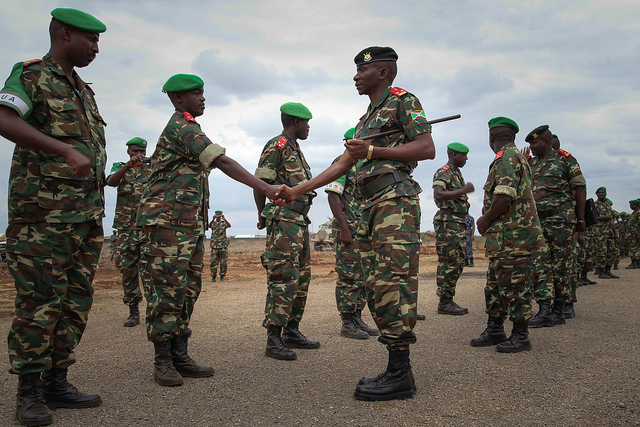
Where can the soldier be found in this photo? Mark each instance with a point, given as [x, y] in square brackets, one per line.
[56, 206]
[389, 228]
[633, 234]
[559, 188]
[450, 194]
[345, 201]
[621, 230]
[512, 230]
[605, 236]
[130, 178]
[287, 255]
[219, 245]
[471, 231]
[173, 212]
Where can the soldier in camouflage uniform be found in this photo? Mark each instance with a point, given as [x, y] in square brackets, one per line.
[130, 178]
[605, 236]
[56, 206]
[219, 245]
[468, 252]
[450, 194]
[173, 212]
[389, 227]
[633, 234]
[559, 188]
[287, 255]
[512, 230]
[345, 201]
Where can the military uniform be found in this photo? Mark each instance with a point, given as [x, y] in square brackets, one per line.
[605, 237]
[633, 227]
[219, 248]
[468, 250]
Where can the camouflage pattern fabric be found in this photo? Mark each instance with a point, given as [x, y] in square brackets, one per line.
[561, 265]
[219, 244]
[219, 256]
[53, 299]
[508, 289]
[633, 226]
[542, 275]
[603, 232]
[132, 264]
[468, 250]
[174, 264]
[623, 236]
[130, 192]
[585, 259]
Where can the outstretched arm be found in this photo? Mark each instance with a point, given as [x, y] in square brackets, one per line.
[234, 170]
[330, 174]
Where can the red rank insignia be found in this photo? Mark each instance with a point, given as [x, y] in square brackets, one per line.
[564, 153]
[446, 167]
[33, 61]
[499, 155]
[282, 141]
[397, 91]
[189, 117]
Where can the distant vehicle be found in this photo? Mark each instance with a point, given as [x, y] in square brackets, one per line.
[323, 239]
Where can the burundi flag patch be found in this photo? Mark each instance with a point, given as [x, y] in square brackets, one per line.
[575, 168]
[416, 114]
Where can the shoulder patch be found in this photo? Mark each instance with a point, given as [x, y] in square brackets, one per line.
[499, 155]
[446, 167]
[418, 114]
[282, 141]
[189, 117]
[564, 153]
[397, 91]
[33, 61]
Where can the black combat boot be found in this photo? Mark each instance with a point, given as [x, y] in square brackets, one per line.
[395, 383]
[349, 328]
[164, 373]
[184, 364]
[276, 348]
[134, 316]
[579, 281]
[586, 279]
[421, 317]
[518, 341]
[31, 408]
[544, 316]
[221, 278]
[608, 272]
[569, 311]
[357, 319]
[448, 306]
[558, 313]
[601, 271]
[466, 262]
[492, 335]
[633, 265]
[59, 393]
[471, 262]
[293, 338]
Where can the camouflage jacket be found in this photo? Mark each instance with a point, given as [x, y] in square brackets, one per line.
[604, 227]
[394, 109]
[350, 198]
[282, 162]
[42, 186]
[219, 234]
[633, 225]
[516, 232]
[554, 181]
[177, 192]
[129, 194]
[456, 209]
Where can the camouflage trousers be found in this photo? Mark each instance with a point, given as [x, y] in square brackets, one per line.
[585, 258]
[634, 246]
[606, 248]
[287, 261]
[389, 238]
[350, 294]
[559, 262]
[508, 289]
[174, 264]
[133, 265]
[542, 275]
[451, 240]
[219, 256]
[53, 266]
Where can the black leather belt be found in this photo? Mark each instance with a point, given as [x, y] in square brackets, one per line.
[383, 181]
[298, 207]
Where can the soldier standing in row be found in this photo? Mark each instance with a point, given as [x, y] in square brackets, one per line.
[471, 230]
[633, 234]
[605, 236]
[219, 245]
[130, 178]
[450, 194]
[56, 206]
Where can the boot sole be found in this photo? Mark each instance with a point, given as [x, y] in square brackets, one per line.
[400, 395]
[280, 357]
[543, 325]
[511, 350]
[34, 423]
[196, 375]
[355, 337]
[453, 313]
[87, 404]
[302, 346]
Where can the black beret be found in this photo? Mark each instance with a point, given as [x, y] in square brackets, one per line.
[535, 134]
[375, 54]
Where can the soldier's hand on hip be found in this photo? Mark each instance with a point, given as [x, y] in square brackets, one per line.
[80, 163]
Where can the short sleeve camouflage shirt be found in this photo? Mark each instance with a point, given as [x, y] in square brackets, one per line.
[219, 234]
[455, 209]
[604, 227]
[130, 192]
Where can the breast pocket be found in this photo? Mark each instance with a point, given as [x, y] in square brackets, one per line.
[63, 118]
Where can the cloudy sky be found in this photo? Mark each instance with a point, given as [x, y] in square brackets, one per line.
[570, 64]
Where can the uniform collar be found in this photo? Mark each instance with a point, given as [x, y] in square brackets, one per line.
[53, 65]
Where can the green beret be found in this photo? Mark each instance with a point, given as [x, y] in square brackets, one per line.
[601, 188]
[623, 214]
[535, 134]
[219, 212]
[349, 134]
[503, 121]
[183, 83]
[634, 201]
[296, 109]
[78, 19]
[137, 141]
[459, 147]
[375, 54]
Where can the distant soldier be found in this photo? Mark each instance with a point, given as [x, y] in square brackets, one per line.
[219, 245]
[633, 234]
[130, 178]
[621, 230]
[605, 236]
[450, 194]
[471, 231]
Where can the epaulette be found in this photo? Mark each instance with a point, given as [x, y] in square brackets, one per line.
[498, 155]
[282, 141]
[397, 91]
[189, 117]
[446, 167]
[91, 89]
[564, 153]
[33, 61]
[362, 116]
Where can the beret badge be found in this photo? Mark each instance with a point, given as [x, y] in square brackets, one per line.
[367, 57]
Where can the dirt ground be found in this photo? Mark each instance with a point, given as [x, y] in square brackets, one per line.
[586, 372]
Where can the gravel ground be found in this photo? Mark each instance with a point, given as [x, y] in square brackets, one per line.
[583, 373]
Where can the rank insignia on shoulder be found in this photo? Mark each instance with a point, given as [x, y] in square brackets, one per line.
[397, 91]
[418, 114]
[564, 153]
[498, 155]
[189, 117]
[446, 167]
[33, 61]
[282, 141]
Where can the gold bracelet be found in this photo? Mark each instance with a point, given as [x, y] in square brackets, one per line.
[370, 152]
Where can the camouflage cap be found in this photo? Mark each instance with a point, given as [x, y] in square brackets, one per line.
[349, 134]
[535, 134]
[78, 19]
[137, 141]
[459, 147]
[375, 54]
[183, 83]
[218, 212]
[503, 121]
[296, 109]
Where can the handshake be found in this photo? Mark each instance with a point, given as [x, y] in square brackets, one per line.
[281, 195]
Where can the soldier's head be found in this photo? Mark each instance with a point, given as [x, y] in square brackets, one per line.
[634, 204]
[555, 142]
[295, 120]
[217, 215]
[136, 147]
[502, 131]
[376, 68]
[457, 153]
[539, 141]
[601, 193]
[74, 37]
[186, 92]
